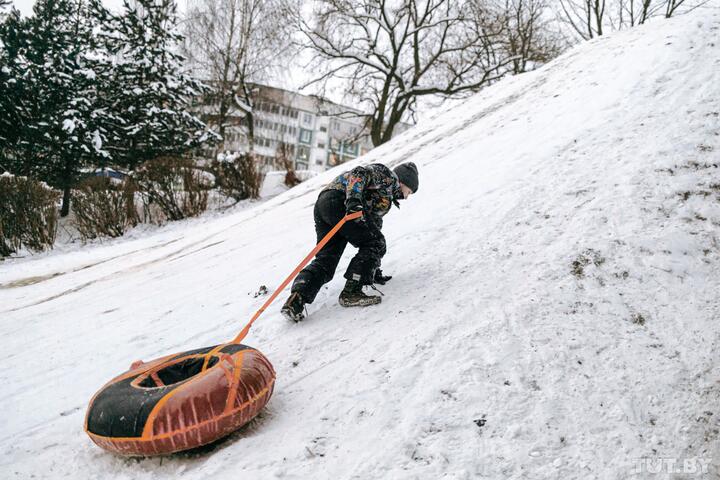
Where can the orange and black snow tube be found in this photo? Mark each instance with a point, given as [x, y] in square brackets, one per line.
[180, 401]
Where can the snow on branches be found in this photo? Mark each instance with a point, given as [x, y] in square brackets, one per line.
[82, 87]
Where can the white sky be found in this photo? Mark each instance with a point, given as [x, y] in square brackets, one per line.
[25, 6]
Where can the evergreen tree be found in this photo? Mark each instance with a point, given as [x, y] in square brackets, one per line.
[11, 98]
[53, 65]
[81, 88]
[151, 92]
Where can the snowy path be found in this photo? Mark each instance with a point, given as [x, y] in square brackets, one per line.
[553, 311]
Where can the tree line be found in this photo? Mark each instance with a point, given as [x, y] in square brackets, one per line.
[389, 57]
[83, 87]
[383, 56]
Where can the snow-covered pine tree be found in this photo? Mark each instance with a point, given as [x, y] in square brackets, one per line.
[54, 66]
[11, 101]
[152, 90]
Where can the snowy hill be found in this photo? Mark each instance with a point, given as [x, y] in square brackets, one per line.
[553, 311]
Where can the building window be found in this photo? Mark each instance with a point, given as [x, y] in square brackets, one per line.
[263, 142]
[323, 128]
[305, 136]
[351, 148]
[307, 118]
[274, 109]
[303, 154]
[321, 145]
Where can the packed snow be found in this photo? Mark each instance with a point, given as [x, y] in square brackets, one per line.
[552, 314]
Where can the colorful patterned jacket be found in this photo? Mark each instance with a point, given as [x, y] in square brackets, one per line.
[375, 186]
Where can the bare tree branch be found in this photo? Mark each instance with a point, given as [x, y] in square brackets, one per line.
[234, 44]
[591, 18]
[390, 53]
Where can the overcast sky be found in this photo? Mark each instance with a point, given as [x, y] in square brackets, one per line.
[25, 6]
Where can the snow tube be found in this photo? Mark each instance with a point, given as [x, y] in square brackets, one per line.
[180, 401]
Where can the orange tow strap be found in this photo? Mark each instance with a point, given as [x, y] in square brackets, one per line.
[306, 260]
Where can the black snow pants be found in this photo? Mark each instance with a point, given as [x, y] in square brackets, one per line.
[365, 235]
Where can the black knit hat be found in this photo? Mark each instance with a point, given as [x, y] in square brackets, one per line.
[407, 173]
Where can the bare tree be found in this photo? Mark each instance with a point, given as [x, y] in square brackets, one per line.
[388, 54]
[592, 18]
[528, 36]
[634, 12]
[673, 7]
[234, 44]
[586, 17]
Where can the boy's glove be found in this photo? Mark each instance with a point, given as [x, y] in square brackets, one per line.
[381, 279]
[353, 205]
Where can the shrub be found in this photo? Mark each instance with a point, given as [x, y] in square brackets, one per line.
[239, 178]
[283, 157]
[103, 209]
[28, 214]
[174, 186]
[291, 178]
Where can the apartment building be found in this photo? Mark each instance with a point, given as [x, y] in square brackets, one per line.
[314, 133]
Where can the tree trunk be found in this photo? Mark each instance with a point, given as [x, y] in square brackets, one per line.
[66, 181]
[65, 209]
[132, 157]
[222, 120]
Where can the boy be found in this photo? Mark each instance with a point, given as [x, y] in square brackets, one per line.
[371, 189]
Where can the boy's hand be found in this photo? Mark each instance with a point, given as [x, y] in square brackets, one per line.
[353, 205]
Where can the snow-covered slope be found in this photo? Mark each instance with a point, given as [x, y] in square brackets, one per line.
[553, 311]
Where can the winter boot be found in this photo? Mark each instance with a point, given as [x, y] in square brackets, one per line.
[293, 308]
[353, 296]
